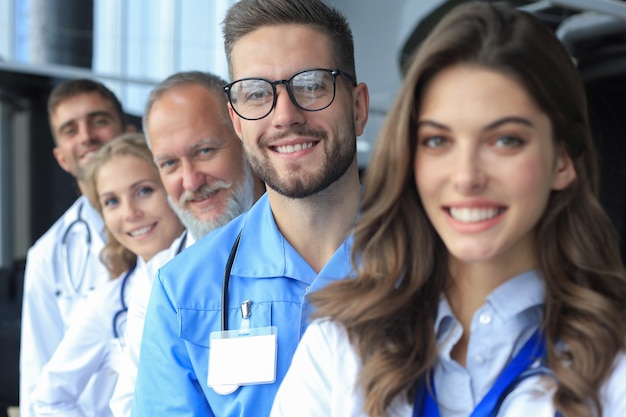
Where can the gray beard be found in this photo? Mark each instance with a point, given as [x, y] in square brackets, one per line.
[239, 202]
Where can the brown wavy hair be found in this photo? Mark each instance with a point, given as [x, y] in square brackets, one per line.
[115, 257]
[390, 308]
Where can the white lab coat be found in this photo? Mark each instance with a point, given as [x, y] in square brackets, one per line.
[125, 387]
[88, 350]
[49, 300]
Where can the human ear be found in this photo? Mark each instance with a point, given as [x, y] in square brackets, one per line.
[564, 171]
[361, 108]
[234, 118]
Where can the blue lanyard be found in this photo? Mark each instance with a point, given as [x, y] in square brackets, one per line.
[517, 370]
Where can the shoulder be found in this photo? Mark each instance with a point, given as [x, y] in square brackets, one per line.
[216, 243]
[328, 338]
[614, 389]
[207, 257]
[54, 235]
[322, 374]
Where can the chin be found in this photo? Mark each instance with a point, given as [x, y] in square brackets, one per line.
[473, 255]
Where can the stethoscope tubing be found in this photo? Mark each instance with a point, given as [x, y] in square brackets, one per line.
[75, 285]
[226, 281]
[124, 306]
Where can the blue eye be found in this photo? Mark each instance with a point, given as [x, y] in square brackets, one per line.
[204, 153]
[111, 201]
[167, 165]
[145, 191]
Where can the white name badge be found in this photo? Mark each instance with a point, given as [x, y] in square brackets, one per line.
[238, 359]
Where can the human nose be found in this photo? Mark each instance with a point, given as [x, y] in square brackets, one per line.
[85, 132]
[192, 178]
[285, 112]
[469, 175]
[131, 210]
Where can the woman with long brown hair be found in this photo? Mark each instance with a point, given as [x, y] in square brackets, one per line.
[489, 280]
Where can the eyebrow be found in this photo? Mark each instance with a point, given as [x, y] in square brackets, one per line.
[213, 142]
[142, 181]
[490, 126]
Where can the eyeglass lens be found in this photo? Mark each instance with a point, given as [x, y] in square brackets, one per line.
[310, 90]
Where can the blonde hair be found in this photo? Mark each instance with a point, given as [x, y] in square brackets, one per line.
[114, 255]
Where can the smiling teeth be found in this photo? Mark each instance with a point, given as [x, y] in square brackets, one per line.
[293, 148]
[141, 231]
[472, 215]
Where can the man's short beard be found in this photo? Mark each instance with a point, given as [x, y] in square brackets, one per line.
[239, 202]
[339, 156]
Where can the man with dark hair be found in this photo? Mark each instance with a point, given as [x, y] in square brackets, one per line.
[226, 315]
[64, 265]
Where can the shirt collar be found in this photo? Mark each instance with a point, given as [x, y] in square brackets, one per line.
[269, 254]
[527, 289]
[164, 256]
[85, 210]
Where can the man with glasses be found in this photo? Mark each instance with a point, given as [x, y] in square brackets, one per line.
[226, 315]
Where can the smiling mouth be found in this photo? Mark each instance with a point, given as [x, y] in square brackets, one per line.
[141, 231]
[87, 156]
[203, 195]
[474, 215]
[293, 148]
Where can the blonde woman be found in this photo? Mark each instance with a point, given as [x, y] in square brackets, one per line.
[123, 184]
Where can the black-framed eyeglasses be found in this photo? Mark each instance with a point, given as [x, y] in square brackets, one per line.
[311, 90]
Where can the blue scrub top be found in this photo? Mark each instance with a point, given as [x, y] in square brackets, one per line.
[185, 307]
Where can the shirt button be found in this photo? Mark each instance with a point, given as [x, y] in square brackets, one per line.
[480, 359]
[485, 318]
[308, 288]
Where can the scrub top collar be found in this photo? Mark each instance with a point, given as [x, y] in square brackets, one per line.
[264, 252]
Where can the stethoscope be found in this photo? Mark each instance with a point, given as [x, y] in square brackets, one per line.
[120, 315]
[521, 367]
[75, 282]
[226, 281]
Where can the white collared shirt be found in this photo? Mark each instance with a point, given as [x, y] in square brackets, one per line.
[88, 358]
[321, 379]
[138, 304]
[51, 296]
